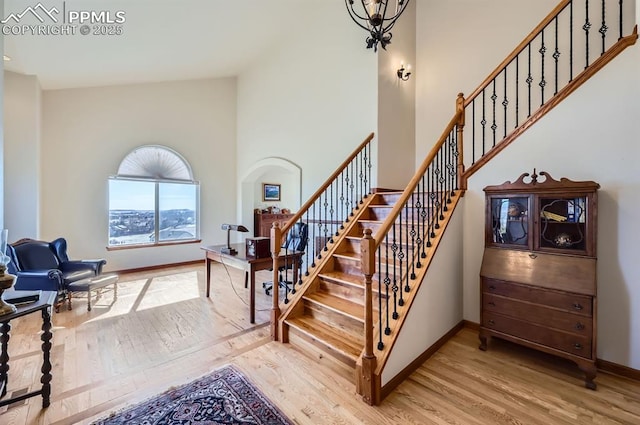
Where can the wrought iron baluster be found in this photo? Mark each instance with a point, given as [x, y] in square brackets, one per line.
[306, 252]
[415, 209]
[332, 219]
[586, 27]
[620, 17]
[367, 175]
[505, 103]
[400, 257]
[387, 283]
[353, 201]
[394, 287]
[529, 77]
[456, 155]
[380, 292]
[343, 216]
[543, 82]
[570, 41]
[442, 190]
[433, 211]
[484, 121]
[603, 28]
[408, 254]
[326, 218]
[473, 131]
[361, 175]
[517, 90]
[556, 56]
[312, 229]
[494, 126]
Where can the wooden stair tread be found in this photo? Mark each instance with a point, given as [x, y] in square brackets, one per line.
[348, 345]
[338, 305]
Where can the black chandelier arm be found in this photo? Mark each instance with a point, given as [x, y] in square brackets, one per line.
[375, 24]
[352, 12]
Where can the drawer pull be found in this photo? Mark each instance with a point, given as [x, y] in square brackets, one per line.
[491, 322]
[577, 306]
[491, 303]
[577, 346]
[492, 287]
[579, 326]
[533, 256]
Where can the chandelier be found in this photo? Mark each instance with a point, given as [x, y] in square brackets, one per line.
[377, 17]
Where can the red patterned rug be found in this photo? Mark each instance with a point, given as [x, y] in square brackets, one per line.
[223, 397]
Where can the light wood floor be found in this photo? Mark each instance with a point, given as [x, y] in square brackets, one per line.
[161, 332]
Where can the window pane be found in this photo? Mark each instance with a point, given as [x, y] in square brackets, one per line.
[131, 212]
[177, 205]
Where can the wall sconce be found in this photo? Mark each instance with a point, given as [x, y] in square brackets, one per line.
[404, 73]
[229, 228]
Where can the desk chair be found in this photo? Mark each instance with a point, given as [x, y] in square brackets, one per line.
[296, 241]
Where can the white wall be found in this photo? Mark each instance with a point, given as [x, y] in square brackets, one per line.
[310, 101]
[459, 42]
[396, 105]
[22, 114]
[437, 307]
[590, 136]
[87, 132]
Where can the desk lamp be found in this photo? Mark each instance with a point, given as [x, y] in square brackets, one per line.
[229, 228]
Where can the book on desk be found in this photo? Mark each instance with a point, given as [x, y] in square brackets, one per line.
[17, 297]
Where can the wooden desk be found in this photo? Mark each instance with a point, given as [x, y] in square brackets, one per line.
[44, 304]
[249, 265]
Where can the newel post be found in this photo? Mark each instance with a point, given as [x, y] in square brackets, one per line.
[368, 381]
[276, 239]
[460, 113]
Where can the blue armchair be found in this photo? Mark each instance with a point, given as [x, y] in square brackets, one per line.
[46, 266]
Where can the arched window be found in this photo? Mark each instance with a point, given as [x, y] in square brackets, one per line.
[153, 199]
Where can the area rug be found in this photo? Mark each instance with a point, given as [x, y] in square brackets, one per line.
[222, 397]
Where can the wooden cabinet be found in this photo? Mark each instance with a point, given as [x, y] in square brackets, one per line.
[262, 223]
[538, 274]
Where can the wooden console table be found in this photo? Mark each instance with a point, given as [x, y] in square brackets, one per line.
[44, 305]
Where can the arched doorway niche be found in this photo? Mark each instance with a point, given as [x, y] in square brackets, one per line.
[269, 170]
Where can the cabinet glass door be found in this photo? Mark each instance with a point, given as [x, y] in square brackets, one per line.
[563, 223]
[510, 220]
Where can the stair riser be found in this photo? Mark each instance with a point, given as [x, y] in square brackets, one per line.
[381, 214]
[335, 320]
[346, 291]
[321, 356]
[301, 339]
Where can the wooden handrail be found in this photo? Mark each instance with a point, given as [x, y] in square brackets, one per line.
[382, 231]
[550, 17]
[325, 185]
[277, 233]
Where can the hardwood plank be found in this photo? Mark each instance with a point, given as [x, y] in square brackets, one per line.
[162, 332]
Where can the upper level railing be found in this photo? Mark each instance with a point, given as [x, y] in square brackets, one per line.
[324, 214]
[575, 40]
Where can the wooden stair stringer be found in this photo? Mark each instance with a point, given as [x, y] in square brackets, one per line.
[396, 325]
[311, 282]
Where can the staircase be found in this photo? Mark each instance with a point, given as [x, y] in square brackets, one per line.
[331, 312]
[357, 289]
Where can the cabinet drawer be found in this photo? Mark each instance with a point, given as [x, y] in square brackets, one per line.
[539, 314]
[569, 302]
[570, 343]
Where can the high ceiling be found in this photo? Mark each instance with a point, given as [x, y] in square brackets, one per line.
[161, 40]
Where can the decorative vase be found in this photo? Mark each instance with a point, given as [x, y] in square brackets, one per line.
[6, 280]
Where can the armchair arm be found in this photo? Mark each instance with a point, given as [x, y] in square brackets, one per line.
[46, 280]
[80, 265]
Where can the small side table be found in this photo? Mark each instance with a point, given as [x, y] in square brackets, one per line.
[44, 305]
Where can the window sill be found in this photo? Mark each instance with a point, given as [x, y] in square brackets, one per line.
[153, 245]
